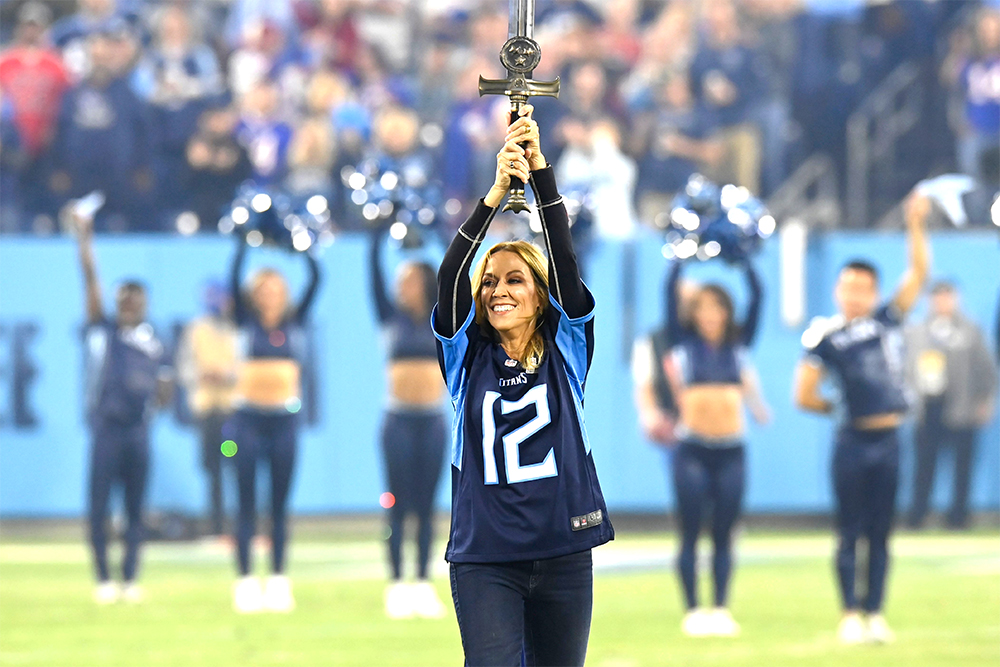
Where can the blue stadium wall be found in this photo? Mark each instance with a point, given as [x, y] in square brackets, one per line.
[44, 444]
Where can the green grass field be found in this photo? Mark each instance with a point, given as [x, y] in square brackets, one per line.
[944, 603]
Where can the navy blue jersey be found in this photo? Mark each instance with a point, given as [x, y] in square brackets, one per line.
[865, 358]
[122, 367]
[524, 486]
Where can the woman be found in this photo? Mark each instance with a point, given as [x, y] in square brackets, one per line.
[268, 393]
[515, 344]
[413, 431]
[712, 378]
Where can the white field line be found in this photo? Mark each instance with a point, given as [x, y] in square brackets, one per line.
[979, 555]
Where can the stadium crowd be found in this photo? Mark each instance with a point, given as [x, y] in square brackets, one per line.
[167, 107]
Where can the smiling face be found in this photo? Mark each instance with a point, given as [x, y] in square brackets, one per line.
[509, 294]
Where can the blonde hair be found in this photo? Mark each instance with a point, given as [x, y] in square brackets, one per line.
[531, 355]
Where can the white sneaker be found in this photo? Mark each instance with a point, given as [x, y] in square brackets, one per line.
[399, 600]
[425, 600]
[248, 598]
[879, 631]
[851, 629]
[696, 623]
[722, 624]
[106, 592]
[278, 594]
[133, 593]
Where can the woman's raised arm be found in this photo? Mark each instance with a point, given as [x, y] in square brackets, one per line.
[565, 283]
[454, 284]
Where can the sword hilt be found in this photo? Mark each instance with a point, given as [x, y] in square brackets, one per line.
[516, 200]
[518, 89]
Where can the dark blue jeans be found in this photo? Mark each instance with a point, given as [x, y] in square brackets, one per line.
[865, 476]
[120, 453]
[413, 446]
[539, 610]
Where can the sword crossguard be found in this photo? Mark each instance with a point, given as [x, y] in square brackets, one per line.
[518, 87]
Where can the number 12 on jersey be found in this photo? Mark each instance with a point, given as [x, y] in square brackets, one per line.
[537, 396]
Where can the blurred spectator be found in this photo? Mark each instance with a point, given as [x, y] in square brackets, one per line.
[397, 149]
[620, 43]
[557, 11]
[267, 52]
[593, 163]
[586, 98]
[672, 139]
[206, 366]
[667, 49]
[264, 134]
[435, 88]
[33, 80]
[332, 35]
[12, 159]
[474, 128]
[102, 142]
[775, 39]
[247, 16]
[377, 85]
[330, 101]
[177, 76]
[488, 32]
[178, 67]
[726, 79]
[216, 165]
[71, 33]
[973, 69]
[955, 379]
[311, 157]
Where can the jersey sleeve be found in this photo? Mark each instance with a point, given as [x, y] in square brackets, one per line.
[889, 314]
[815, 343]
[453, 351]
[643, 360]
[574, 337]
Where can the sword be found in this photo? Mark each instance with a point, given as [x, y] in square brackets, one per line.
[520, 54]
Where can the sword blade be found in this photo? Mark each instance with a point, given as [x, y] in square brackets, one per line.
[521, 19]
